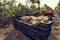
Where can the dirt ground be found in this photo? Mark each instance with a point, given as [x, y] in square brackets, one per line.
[8, 32]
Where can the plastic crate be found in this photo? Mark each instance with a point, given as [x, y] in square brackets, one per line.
[40, 32]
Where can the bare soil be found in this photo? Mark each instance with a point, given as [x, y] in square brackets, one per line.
[8, 32]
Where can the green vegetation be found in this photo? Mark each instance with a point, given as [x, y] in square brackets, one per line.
[11, 8]
[58, 6]
[37, 2]
[45, 8]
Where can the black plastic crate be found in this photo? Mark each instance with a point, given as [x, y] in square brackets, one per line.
[40, 32]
